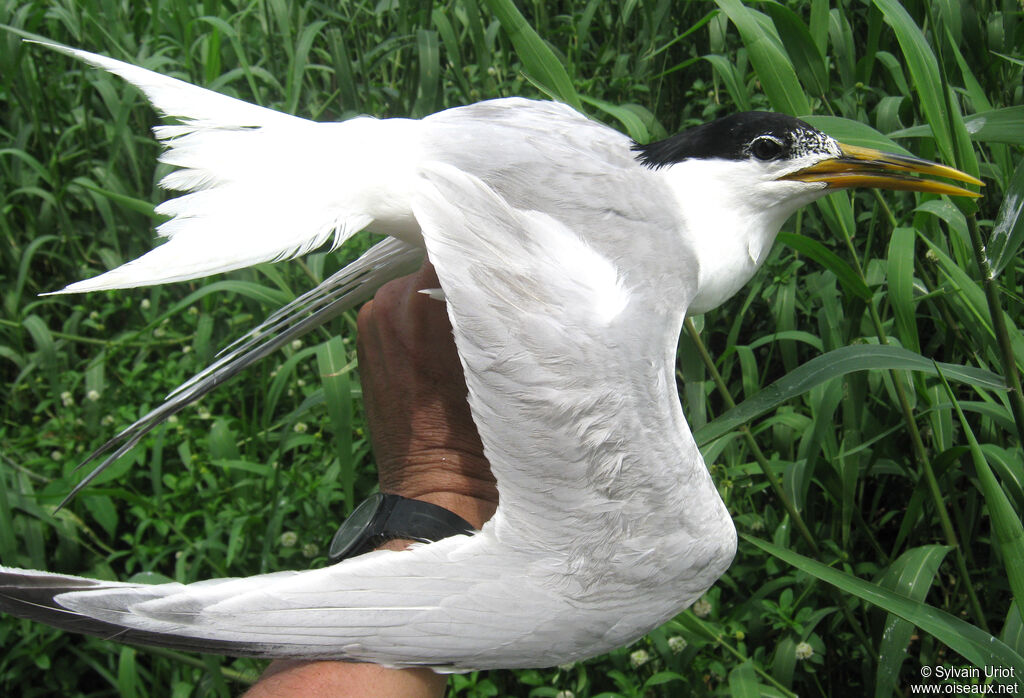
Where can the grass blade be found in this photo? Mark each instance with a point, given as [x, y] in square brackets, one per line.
[808, 60]
[334, 367]
[924, 72]
[539, 61]
[974, 644]
[729, 74]
[901, 286]
[911, 575]
[1008, 230]
[1006, 524]
[1004, 125]
[847, 277]
[743, 681]
[769, 59]
[836, 363]
[635, 126]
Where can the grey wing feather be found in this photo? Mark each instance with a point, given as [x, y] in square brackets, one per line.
[349, 287]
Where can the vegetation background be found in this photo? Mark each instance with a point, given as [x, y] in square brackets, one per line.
[879, 508]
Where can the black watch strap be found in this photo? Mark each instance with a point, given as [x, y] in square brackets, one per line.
[385, 517]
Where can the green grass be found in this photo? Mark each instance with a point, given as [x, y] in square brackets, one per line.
[880, 512]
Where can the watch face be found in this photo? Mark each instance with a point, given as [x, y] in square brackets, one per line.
[351, 533]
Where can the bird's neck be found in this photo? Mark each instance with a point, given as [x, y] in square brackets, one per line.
[728, 225]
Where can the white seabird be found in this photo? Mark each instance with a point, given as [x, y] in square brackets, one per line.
[568, 257]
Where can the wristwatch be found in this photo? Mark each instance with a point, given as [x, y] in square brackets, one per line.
[385, 517]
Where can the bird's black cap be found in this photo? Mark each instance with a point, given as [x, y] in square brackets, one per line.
[759, 134]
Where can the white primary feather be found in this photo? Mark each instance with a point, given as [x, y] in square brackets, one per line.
[608, 522]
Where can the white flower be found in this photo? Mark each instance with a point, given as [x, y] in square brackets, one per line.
[92, 395]
[702, 609]
[804, 651]
[173, 419]
[192, 310]
[144, 304]
[301, 427]
[187, 349]
[159, 332]
[94, 315]
[300, 382]
[203, 413]
[67, 399]
[639, 658]
[565, 694]
[677, 644]
[107, 420]
[296, 344]
[56, 455]
[310, 550]
[289, 539]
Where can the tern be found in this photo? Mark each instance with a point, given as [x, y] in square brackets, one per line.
[568, 256]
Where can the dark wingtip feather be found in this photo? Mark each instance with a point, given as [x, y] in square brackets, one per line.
[31, 596]
[338, 293]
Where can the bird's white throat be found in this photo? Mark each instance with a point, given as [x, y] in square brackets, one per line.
[732, 210]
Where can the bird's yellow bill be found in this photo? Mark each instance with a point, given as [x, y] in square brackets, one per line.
[867, 167]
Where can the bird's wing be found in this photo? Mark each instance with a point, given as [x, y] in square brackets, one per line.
[566, 569]
[347, 288]
[264, 186]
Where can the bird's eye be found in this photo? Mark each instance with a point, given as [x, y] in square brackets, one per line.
[766, 148]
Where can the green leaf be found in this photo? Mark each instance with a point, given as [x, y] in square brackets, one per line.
[1006, 524]
[127, 673]
[808, 60]
[900, 273]
[635, 126]
[924, 72]
[103, 510]
[743, 681]
[1004, 125]
[953, 217]
[334, 373]
[847, 277]
[734, 84]
[1013, 628]
[911, 575]
[839, 362]
[974, 644]
[539, 61]
[43, 341]
[969, 300]
[661, 678]
[128, 202]
[222, 443]
[1008, 230]
[428, 51]
[769, 59]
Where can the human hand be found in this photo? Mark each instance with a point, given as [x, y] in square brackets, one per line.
[427, 447]
[424, 439]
